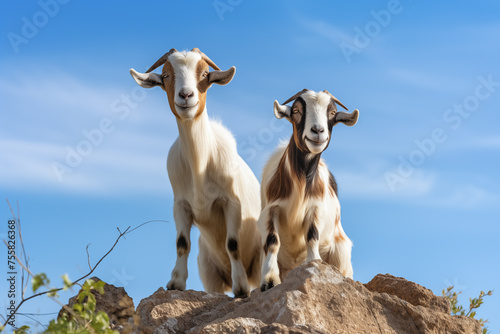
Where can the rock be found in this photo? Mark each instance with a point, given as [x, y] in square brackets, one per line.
[411, 292]
[314, 298]
[178, 311]
[117, 304]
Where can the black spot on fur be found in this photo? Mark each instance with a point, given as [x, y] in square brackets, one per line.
[333, 184]
[232, 245]
[270, 241]
[182, 243]
[312, 234]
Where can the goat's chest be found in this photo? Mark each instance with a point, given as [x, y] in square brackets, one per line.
[292, 225]
[208, 195]
[292, 232]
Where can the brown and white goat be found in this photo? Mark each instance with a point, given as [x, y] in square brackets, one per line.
[214, 189]
[300, 220]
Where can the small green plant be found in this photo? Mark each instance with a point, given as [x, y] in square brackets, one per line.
[83, 318]
[474, 304]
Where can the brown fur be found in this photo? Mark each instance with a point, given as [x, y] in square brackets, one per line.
[203, 85]
[169, 85]
[281, 183]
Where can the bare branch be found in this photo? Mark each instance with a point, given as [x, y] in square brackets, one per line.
[17, 258]
[88, 256]
[59, 289]
[149, 221]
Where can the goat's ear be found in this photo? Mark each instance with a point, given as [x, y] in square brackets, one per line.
[281, 111]
[221, 77]
[346, 118]
[147, 80]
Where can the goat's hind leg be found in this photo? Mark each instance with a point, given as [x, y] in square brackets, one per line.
[214, 278]
[183, 217]
[339, 255]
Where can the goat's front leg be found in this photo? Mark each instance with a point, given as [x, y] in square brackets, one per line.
[183, 217]
[232, 213]
[268, 221]
[311, 223]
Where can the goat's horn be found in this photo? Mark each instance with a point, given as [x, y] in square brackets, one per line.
[161, 61]
[295, 96]
[335, 99]
[205, 58]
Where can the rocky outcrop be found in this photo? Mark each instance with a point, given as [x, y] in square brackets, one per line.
[117, 304]
[406, 290]
[313, 298]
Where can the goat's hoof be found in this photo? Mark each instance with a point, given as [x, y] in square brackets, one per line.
[241, 293]
[175, 286]
[266, 286]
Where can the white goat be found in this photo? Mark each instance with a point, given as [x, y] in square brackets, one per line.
[213, 187]
[300, 220]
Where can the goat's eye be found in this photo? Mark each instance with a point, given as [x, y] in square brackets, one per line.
[205, 74]
[166, 76]
[294, 111]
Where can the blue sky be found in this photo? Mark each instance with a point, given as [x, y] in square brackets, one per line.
[418, 175]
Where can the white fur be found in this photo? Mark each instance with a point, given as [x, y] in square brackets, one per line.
[214, 189]
[204, 168]
[292, 231]
[293, 215]
[316, 104]
[184, 64]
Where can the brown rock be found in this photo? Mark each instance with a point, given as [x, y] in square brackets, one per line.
[116, 303]
[411, 292]
[178, 311]
[313, 298]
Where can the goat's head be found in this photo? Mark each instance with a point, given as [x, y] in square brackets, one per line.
[313, 116]
[185, 78]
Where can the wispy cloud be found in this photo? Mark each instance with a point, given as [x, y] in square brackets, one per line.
[372, 185]
[427, 188]
[465, 197]
[473, 142]
[56, 91]
[28, 166]
[325, 29]
[52, 115]
[427, 81]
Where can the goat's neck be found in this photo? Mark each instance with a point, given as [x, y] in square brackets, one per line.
[303, 164]
[197, 141]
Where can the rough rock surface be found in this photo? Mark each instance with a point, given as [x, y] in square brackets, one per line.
[411, 292]
[313, 298]
[117, 304]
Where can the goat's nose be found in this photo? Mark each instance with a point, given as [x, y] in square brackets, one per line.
[317, 129]
[186, 93]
